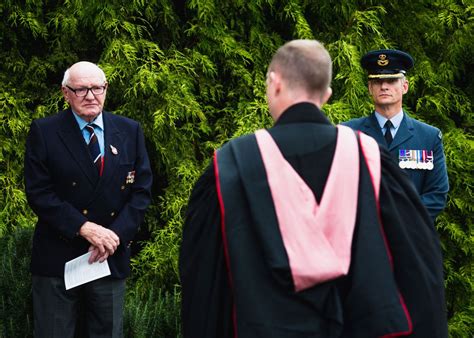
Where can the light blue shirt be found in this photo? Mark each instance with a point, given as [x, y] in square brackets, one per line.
[396, 120]
[98, 129]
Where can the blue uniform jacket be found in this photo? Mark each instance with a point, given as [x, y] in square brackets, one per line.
[65, 190]
[432, 185]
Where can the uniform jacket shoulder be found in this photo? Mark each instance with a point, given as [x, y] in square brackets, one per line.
[419, 125]
[356, 123]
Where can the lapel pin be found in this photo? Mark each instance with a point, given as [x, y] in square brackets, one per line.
[113, 149]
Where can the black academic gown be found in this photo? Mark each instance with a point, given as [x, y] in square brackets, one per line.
[235, 276]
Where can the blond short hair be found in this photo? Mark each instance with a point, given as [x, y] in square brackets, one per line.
[304, 64]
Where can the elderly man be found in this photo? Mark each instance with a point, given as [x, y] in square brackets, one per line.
[88, 179]
[308, 230]
[416, 146]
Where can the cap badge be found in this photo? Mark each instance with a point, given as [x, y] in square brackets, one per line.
[382, 61]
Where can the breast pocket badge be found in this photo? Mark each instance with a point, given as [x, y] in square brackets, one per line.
[130, 177]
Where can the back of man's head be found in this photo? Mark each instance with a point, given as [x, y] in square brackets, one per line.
[304, 65]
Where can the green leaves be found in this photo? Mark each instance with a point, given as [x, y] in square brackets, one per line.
[193, 74]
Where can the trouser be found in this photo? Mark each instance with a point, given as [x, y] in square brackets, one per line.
[94, 309]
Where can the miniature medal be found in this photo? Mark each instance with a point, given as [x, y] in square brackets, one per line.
[130, 177]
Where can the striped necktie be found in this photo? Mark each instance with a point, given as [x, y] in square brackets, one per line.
[388, 133]
[94, 149]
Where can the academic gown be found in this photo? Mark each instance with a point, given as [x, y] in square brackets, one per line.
[235, 276]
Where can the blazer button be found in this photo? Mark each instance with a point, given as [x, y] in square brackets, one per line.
[112, 213]
[84, 212]
[129, 243]
[122, 187]
[74, 184]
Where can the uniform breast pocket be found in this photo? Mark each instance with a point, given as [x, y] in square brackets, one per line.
[417, 178]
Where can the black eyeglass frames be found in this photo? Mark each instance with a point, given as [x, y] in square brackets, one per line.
[81, 92]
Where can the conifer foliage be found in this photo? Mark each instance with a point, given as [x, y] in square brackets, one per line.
[193, 73]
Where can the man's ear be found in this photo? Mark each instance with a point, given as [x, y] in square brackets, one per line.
[65, 93]
[274, 79]
[369, 87]
[405, 86]
[327, 94]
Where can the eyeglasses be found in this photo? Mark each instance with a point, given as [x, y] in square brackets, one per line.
[81, 92]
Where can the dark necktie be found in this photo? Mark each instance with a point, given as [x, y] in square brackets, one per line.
[94, 147]
[388, 133]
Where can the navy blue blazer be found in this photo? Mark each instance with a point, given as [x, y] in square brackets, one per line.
[432, 185]
[65, 190]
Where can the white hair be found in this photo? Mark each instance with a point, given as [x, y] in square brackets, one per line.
[67, 72]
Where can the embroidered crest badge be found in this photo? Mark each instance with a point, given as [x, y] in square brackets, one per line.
[383, 60]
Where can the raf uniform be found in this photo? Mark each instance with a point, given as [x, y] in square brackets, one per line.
[416, 146]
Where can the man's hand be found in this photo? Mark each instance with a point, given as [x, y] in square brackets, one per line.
[103, 240]
[96, 256]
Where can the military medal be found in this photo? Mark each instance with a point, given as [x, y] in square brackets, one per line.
[130, 177]
[403, 158]
[418, 157]
[415, 159]
[430, 160]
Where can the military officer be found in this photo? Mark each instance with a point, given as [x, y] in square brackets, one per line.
[416, 146]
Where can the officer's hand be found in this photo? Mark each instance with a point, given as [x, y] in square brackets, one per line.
[105, 240]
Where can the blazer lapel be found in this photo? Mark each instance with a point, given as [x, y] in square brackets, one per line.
[73, 140]
[405, 132]
[113, 140]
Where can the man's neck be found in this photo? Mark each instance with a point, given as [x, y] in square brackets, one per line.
[285, 104]
[388, 111]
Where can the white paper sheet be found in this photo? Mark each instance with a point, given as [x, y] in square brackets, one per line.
[78, 271]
